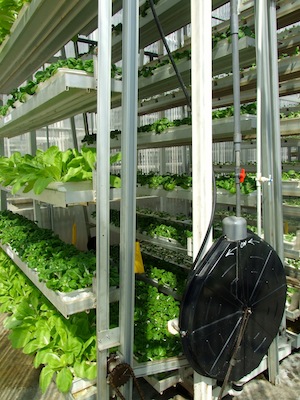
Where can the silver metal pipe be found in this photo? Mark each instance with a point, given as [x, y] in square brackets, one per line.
[103, 76]
[234, 27]
[276, 150]
[267, 74]
[128, 175]
[259, 44]
[202, 123]
[202, 144]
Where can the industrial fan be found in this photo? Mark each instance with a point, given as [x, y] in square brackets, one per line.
[233, 304]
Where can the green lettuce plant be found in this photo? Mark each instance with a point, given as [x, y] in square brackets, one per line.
[35, 173]
[9, 10]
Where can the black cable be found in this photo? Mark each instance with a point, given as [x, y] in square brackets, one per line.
[204, 242]
[188, 99]
[163, 38]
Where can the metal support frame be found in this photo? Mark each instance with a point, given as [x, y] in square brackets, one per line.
[37, 215]
[128, 174]
[202, 122]
[74, 134]
[269, 134]
[3, 195]
[103, 76]
[237, 139]
[202, 140]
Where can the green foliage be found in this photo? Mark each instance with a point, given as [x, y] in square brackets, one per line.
[67, 348]
[147, 70]
[173, 181]
[167, 276]
[291, 175]
[227, 182]
[161, 125]
[153, 310]
[243, 31]
[167, 181]
[249, 108]
[53, 165]
[9, 10]
[13, 286]
[60, 265]
[154, 228]
[22, 93]
[116, 72]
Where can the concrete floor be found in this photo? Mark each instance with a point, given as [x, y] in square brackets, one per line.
[19, 380]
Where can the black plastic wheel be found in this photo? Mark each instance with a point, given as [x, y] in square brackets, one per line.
[234, 278]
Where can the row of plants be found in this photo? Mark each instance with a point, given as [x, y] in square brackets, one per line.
[28, 172]
[63, 348]
[22, 93]
[173, 181]
[153, 228]
[293, 51]
[167, 181]
[61, 266]
[164, 215]
[223, 181]
[147, 222]
[166, 275]
[66, 348]
[291, 201]
[153, 310]
[290, 175]
[244, 31]
[289, 295]
[292, 267]
[162, 124]
[147, 70]
[176, 258]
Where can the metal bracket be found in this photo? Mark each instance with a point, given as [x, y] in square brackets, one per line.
[262, 179]
[109, 338]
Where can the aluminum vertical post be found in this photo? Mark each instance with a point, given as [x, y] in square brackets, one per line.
[3, 201]
[201, 140]
[237, 138]
[267, 78]
[202, 119]
[103, 76]
[276, 143]
[128, 176]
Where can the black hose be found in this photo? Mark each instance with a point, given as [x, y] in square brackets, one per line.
[188, 99]
[163, 38]
[204, 242]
